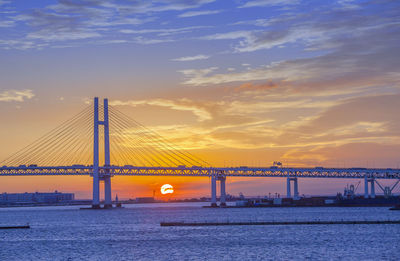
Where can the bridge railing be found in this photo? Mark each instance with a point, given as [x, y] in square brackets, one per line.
[202, 171]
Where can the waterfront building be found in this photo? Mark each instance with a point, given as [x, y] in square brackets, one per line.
[37, 197]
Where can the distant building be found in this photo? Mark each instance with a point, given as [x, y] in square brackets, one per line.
[145, 200]
[37, 197]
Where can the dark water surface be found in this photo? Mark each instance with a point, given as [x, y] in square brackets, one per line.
[134, 233]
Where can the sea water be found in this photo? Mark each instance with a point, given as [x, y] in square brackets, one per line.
[134, 233]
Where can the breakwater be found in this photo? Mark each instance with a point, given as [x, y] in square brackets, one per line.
[274, 223]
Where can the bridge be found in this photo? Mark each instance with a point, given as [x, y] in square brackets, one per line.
[138, 151]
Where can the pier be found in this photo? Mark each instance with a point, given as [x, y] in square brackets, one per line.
[15, 227]
[278, 223]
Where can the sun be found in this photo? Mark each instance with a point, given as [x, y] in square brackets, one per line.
[167, 189]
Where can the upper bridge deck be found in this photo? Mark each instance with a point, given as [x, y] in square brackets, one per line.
[127, 170]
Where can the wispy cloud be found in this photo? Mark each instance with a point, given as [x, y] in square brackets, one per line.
[181, 104]
[67, 21]
[197, 13]
[191, 58]
[257, 3]
[20, 44]
[16, 95]
[163, 31]
[146, 41]
[3, 2]
[157, 5]
[255, 40]
[228, 36]
[362, 60]
[61, 35]
[7, 23]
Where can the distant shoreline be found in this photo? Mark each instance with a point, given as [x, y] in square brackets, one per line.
[18, 205]
[85, 203]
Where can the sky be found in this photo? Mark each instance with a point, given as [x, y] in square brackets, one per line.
[307, 83]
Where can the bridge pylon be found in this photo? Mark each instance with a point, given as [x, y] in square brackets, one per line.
[96, 175]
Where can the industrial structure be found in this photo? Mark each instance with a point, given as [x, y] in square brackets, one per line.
[46, 157]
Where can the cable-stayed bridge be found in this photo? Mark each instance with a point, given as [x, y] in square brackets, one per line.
[127, 148]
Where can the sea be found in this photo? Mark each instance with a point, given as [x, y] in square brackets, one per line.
[134, 233]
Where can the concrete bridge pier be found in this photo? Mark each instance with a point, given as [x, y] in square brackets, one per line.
[223, 193]
[372, 181]
[295, 188]
[213, 191]
[107, 192]
[288, 189]
[366, 188]
[221, 180]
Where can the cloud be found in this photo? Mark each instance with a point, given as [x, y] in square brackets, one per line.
[257, 3]
[4, 2]
[316, 29]
[163, 31]
[256, 87]
[60, 35]
[365, 154]
[20, 44]
[72, 20]
[228, 36]
[213, 119]
[215, 114]
[197, 13]
[16, 95]
[50, 26]
[251, 119]
[146, 41]
[202, 77]
[182, 105]
[191, 58]
[7, 23]
[348, 4]
[255, 40]
[156, 6]
[370, 109]
[355, 52]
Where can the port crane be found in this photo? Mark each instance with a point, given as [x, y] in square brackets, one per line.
[387, 190]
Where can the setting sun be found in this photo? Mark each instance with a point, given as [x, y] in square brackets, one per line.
[167, 189]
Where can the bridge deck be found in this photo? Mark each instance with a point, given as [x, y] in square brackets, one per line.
[204, 172]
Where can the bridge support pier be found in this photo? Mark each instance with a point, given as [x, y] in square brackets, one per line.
[295, 188]
[288, 189]
[213, 191]
[366, 182]
[366, 186]
[107, 192]
[372, 180]
[223, 193]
